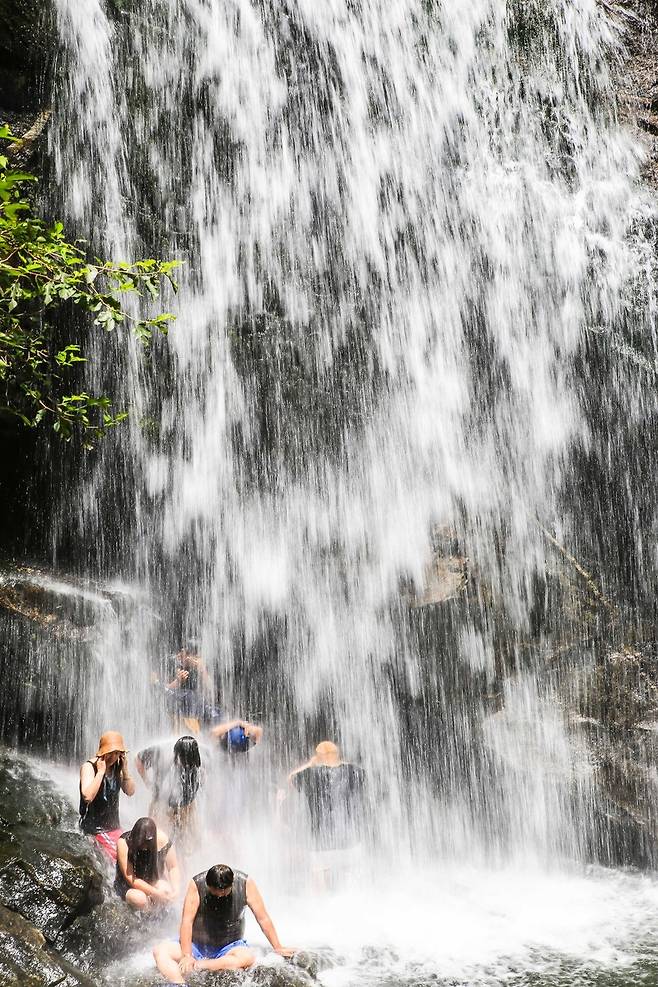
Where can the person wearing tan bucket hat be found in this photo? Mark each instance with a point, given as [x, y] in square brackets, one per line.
[102, 778]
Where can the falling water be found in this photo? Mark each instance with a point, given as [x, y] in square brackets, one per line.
[404, 229]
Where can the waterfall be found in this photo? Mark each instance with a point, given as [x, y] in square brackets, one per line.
[408, 233]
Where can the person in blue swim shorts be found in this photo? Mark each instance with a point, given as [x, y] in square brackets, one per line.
[212, 926]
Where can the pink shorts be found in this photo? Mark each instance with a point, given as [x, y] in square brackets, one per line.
[107, 841]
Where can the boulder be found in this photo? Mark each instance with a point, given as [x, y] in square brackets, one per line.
[25, 960]
[107, 934]
[50, 880]
[28, 801]
[49, 877]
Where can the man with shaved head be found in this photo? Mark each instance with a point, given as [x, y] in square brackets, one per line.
[334, 794]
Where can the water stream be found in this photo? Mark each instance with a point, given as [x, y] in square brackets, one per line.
[401, 226]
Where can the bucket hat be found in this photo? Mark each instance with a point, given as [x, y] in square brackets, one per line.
[110, 741]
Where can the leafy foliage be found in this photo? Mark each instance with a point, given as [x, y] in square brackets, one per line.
[42, 274]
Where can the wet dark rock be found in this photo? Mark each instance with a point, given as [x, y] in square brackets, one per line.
[444, 578]
[107, 934]
[300, 971]
[636, 83]
[49, 877]
[649, 123]
[57, 604]
[617, 709]
[314, 962]
[25, 45]
[621, 691]
[25, 960]
[276, 975]
[287, 974]
[52, 881]
[26, 800]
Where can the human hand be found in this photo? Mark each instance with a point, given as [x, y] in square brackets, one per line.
[101, 765]
[286, 951]
[182, 675]
[186, 965]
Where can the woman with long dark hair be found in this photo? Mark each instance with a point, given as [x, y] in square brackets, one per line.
[147, 869]
[175, 779]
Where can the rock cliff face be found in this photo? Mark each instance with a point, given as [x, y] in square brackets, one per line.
[613, 705]
[638, 78]
[25, 51]
[49, 879]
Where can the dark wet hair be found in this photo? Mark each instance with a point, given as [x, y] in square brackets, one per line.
[185, 772]
[186, 753]
[219, 877]
[143, 849]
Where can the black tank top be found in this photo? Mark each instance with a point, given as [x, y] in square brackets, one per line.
[102, 813]
[220, 921]
[121, 884]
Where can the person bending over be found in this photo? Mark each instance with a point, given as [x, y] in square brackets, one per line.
[212, 926]
[237, 736]
[147, 869]
[101, 780]
[174, 777]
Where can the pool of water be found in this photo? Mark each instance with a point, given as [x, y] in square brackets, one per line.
[400, 921]
[457, 925]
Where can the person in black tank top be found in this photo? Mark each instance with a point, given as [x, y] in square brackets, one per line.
[212, 926]
[147, 869]
[101, 780]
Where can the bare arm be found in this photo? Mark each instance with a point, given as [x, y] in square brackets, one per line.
[181, 675]
[127, 783]
[126, 869]
[255, 902]
[142, 771]
[205, 677]
[90, 780]
[250, 729]
[173, 871]
[223, 728]
[190, 908]
[302, 767]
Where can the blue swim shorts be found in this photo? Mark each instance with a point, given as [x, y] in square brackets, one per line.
[208, 953]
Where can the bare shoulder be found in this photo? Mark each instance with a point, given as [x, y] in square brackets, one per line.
[162, 839]
[253, 894]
